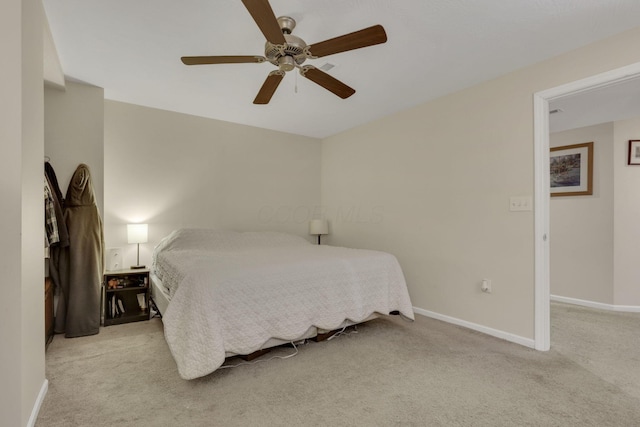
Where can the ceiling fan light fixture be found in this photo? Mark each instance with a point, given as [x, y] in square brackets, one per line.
[286, 63]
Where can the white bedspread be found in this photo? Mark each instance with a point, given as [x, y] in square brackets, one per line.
[233, 293]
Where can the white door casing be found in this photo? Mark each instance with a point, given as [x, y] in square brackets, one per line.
[542, 328]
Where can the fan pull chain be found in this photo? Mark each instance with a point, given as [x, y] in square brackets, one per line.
[295, 88]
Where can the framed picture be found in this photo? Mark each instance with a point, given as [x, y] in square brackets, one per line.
[571, 168]
[634, 152]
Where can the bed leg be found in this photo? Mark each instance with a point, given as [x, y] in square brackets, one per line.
[254, 355]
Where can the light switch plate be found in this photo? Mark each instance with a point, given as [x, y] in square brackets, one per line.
[520, 203]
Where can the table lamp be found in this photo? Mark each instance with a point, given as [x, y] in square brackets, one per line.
[318, 227]
[137, 233]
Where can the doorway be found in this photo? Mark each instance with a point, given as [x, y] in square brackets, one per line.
[542, 321]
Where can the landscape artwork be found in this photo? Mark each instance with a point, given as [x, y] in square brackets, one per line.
[634, 152]
[571, 170]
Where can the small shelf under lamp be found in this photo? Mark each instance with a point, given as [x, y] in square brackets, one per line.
[318, 227]
[137, 233]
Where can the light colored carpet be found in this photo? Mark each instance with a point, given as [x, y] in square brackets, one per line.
[604, 343]
[426, 373]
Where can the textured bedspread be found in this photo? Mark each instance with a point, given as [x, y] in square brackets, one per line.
[234, 294]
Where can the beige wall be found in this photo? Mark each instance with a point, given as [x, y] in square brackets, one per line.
[594, 249]
[10, 211]
[581, 246]
[21, 212]
[74, 133]
[173, 170]
[439, 177]
[32, 327]
[626, 214]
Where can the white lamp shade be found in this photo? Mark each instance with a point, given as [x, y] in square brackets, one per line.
[318, 226]
[137, 233]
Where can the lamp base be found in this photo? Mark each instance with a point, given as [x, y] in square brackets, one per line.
[137, 267]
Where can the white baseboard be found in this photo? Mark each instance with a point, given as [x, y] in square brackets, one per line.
[38, 403]
[527, 342]
[598, 305]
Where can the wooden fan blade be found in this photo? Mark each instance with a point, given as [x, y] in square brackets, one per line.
[269, 87]
[238, 59]
[363, 38]
[326, 81]
[266, 20]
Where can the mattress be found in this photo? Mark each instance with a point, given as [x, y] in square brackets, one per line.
[230, 293]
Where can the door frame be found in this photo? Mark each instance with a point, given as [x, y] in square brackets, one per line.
[542, 289]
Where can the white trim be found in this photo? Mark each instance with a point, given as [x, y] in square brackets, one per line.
[542, 322]
[541, 194]
[594, 82]
[598, 305]
[38, 403]
[527, 342]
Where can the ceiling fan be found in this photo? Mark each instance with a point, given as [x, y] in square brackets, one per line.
[287, 51]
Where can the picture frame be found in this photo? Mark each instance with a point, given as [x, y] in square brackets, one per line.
[571, 170]
[634, 152]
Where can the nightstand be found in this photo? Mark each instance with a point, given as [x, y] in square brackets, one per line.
[125, 296]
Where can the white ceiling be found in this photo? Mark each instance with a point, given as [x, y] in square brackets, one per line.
[132, 49]
[616, 101]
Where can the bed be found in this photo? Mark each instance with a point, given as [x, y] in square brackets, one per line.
[224, 293]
